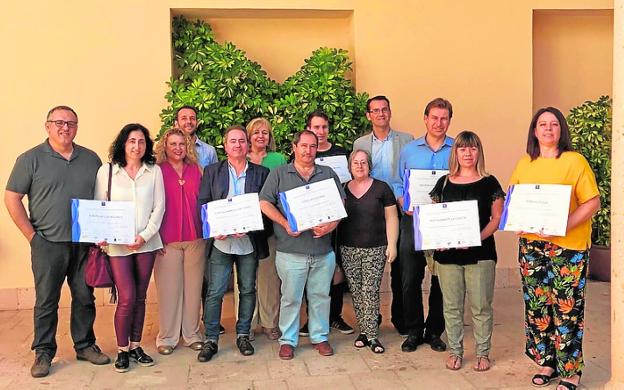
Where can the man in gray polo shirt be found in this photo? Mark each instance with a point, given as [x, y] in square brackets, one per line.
[304, 260]
[51, 174]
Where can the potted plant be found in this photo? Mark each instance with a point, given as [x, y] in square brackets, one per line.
[590, 130]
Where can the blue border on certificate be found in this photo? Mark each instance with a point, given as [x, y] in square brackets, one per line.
[292, 222]
[503, 220]
[417, 233]
[75, 226]
[204, 219]
[407, 200]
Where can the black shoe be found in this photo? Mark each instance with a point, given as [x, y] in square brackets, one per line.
[436, 342]
[209, 349]
[411, 343]
[41, 366]
[221, 329]
[244, 346]
[122, 364]
[140, 357]
[304, 332]
[341, 326]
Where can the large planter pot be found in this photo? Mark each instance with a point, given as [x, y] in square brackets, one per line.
[600, 263]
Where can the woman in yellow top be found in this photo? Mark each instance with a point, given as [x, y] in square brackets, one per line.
[554, 268]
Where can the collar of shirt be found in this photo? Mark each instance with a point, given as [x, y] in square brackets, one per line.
[448, 141]
[144, 168]
[388, 137]
[237, 181]
[48, 149]
[292, 169]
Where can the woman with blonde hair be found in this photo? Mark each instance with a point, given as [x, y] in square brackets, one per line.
[469, 271]
[179, 267]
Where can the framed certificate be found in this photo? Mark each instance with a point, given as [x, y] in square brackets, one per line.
[96, 221]
[239, 214]
[312, 204]
[339, 164]
[537, 208]
[417, 184]
[447, 225]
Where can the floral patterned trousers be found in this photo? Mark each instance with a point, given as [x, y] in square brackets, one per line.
[553, 282]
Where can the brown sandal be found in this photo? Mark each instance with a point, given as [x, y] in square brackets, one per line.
[480, 359]
[454, 362]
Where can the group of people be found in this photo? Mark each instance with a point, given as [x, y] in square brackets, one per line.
[276, 268]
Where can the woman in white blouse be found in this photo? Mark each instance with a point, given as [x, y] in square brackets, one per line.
[136, 178]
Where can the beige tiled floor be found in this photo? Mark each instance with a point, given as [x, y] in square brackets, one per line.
[349, 368]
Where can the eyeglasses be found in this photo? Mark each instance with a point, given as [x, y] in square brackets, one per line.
[60, 124]
[378, 111]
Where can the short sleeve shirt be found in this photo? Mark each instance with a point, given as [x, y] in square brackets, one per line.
[485, 191]
[572, 169]
[284, 178]
[50, 181]
[365, 225]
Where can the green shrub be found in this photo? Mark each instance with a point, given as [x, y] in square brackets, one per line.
[229, 89]
[590, 130]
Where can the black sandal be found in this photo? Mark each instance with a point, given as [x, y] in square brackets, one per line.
[544, 378]
[376, 346]
[567, 385]
[361, 341]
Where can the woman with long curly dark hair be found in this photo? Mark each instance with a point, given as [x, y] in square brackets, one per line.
[134, 177]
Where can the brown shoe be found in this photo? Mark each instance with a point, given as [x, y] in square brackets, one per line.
[286, 352]
[324, 348]
[93, 354]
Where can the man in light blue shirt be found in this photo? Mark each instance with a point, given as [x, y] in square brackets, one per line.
[186, 120]
[432, 151]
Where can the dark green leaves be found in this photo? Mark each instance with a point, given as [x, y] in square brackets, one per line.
[229, 89]
[590, 130]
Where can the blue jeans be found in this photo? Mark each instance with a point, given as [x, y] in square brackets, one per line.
[219, 269]
[314, 274]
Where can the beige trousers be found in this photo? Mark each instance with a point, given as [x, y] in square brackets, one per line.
[268, 285]
[179, 274]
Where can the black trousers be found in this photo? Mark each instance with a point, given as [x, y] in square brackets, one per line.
[413, 264]
[52, 262]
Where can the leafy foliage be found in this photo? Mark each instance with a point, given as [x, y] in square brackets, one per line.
[229, 89]
[590, 130]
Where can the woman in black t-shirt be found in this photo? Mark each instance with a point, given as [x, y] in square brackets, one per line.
[368, 238]
[469, 271]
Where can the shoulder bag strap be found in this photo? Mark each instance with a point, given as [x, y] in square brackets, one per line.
[443, 187]
[110, 179]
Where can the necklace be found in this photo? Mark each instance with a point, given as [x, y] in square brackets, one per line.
[181, 182]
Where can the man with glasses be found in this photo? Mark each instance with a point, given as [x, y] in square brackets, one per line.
[51, 174]
[384, 145]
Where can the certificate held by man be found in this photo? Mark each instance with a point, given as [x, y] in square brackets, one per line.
[96, 221]
[537, 208]
[312, 204]
[417, 184]
[446, 225]
[238, 214]
[339, 164]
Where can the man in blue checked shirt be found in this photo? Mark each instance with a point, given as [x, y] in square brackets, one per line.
[429, 152]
